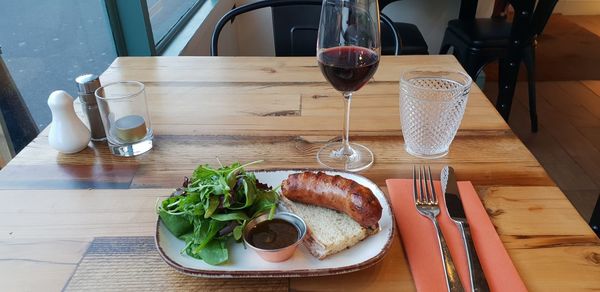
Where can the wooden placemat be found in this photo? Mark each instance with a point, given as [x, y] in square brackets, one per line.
[133, 264]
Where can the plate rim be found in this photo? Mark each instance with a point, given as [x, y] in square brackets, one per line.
[279, 273]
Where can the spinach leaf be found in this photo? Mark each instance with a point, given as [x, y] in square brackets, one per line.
[248, 190]
[206, 234]
[215, 252]
[177, 224]
[237, 231]
[266, 201]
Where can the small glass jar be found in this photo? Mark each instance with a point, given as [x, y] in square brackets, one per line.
[125, 117]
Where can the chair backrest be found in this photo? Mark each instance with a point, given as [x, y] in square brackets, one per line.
[295, 29]
[468, 8]
[385, 3]
[540, 11]
[283, 3]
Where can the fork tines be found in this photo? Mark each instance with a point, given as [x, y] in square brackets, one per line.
[424, 190]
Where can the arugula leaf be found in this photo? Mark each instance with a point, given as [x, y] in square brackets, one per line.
[211, 205]
[202, 173]
[230, 216]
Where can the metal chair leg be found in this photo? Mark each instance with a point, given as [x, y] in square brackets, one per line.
[595, 220]
[473, 63]
[529, 60]
[507, 80]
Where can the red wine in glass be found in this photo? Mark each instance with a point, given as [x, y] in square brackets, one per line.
[348, 50]
[348, 68]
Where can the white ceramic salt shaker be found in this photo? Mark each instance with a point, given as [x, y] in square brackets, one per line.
[68, 134]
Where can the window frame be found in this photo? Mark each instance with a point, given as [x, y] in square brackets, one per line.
[162, 44]
[132, 30]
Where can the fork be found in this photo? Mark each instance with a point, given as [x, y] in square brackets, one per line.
[427, 205]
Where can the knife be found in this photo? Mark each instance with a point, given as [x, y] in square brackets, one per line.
[456, 212]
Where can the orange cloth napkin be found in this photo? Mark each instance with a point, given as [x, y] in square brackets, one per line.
[421, 246]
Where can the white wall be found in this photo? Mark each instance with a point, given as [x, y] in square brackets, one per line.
[251, 34]
[199, 44]
[254, 32]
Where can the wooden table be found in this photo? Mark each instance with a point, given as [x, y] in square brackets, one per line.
[280, 110]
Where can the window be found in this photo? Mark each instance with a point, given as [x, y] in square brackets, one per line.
[167, 17]
[46, 44]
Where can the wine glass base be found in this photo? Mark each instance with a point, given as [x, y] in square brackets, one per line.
[333, 156]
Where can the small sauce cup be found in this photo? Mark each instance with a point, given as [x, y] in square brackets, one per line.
[280, 254]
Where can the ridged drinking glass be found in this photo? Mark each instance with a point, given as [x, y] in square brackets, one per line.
[432, 105]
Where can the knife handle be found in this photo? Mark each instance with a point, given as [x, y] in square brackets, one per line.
[452, 279]
[477, 277]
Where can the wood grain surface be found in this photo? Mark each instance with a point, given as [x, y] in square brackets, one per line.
[280, 110]
[132, 264]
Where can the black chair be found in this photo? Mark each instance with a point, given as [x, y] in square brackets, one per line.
[595, 220]
[410, 37]
[477, 42]
[295, 29]
[295, 32]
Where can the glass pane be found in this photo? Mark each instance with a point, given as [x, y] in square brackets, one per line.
[165, 14]
[46, 44]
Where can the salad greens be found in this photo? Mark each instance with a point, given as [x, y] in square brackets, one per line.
[213, 206]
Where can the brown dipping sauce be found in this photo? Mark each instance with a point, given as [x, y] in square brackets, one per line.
[272, 234]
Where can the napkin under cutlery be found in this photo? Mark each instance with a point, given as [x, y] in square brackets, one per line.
[420, 243]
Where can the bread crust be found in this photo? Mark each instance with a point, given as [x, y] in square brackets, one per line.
[334, 192]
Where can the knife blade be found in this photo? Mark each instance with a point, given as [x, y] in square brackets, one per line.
[452, 196]
[456, 212]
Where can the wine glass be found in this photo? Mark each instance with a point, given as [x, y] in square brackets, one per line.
[348, 50]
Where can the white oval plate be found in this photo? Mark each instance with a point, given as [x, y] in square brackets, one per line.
[245, 263]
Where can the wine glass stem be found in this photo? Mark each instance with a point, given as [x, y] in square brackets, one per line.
[347, 151]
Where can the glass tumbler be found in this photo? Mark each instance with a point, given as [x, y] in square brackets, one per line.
[432, 104]
[125, 117]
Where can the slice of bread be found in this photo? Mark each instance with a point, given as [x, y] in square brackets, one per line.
[329, 231]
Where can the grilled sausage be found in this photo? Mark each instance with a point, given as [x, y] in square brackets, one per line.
[334, 192]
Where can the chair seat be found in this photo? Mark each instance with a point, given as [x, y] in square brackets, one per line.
[412, 41]
[482, 33]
